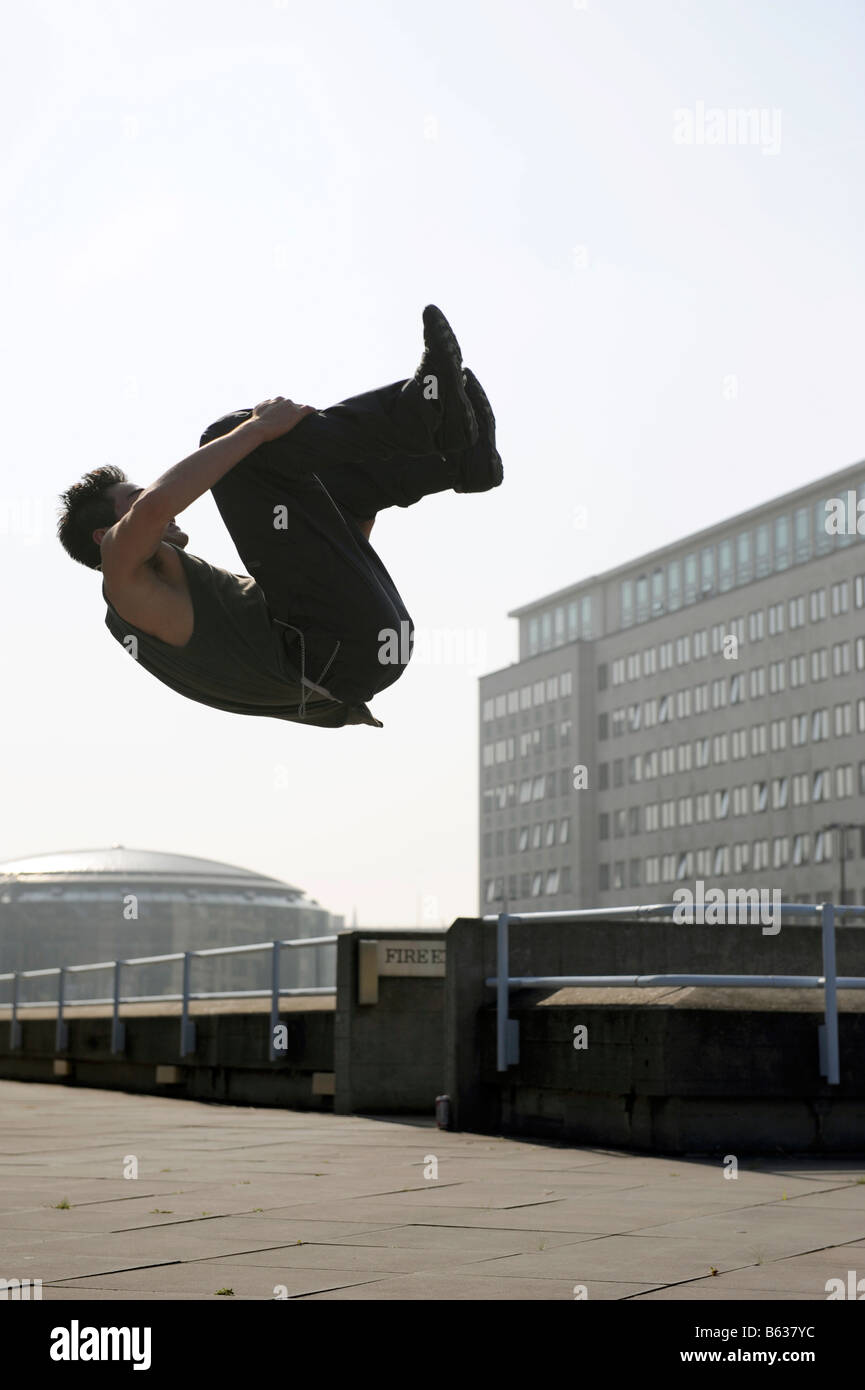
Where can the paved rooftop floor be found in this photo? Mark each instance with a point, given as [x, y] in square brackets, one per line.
[274, 1203]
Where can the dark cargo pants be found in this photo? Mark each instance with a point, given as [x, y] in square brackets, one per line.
[292, 509]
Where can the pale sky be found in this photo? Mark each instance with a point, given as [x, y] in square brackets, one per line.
[206, 204]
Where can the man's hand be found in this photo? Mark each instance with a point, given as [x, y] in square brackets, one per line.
[277, 416]
[137, 535]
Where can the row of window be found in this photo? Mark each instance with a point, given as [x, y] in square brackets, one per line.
[798, 789]
[753, 856]
[547, 784]
[563, 623]
[751, 554]
[524, 837]
[696, 646]
[733, 690]
[528, 696]
[531, 741]
[722, 748]
[541, 883]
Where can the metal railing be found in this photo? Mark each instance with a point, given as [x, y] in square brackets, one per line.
[507, 1029]
[185, 997]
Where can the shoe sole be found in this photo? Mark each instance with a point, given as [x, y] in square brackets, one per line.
[441, 340]
[484, 414]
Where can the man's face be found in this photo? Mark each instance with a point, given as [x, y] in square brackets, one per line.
[124, 494]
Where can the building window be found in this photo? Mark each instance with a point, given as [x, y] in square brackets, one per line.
[761, 854]
[820, 664]
[782, 542]
[840, 598]
[690, 578]
[822, 537]
[627, 602]
[586, 617]
[707, 570]
[572, 622]
[744, 564]
[674, 585]
[657, 592]
[802, 534]
[841, 659]
[821, 789]
[763, 553]
[819, 725]
[797, 611]
[818, 605]
[725, 566]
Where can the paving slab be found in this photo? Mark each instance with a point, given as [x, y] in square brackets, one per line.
[205, 1280]
[447, 1288]
[225, 1193]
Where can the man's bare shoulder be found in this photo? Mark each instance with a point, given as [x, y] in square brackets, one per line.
[154, 597]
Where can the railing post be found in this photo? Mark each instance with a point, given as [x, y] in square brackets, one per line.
[14, 1025]
[61, 1033]
[118, 1029]
[502, 992]
[831, 1068]
[187, 1027]
[274, 998]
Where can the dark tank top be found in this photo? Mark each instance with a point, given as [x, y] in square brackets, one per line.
[237, 659]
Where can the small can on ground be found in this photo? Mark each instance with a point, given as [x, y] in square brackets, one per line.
[443, 1112]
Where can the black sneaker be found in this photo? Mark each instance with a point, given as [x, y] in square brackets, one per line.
[480, 467]
[440, 375]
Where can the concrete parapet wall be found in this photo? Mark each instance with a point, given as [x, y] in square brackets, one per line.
[389, 1054]
[230, 1062]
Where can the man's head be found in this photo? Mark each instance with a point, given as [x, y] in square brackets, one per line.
[92, 506]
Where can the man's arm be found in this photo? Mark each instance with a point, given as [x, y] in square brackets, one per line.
[137, 534]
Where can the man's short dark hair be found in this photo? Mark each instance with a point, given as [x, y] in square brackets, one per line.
[87, 507]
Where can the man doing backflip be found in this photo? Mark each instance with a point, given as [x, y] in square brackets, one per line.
[304, 636]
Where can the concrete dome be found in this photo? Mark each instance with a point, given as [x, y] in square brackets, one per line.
[76, 906]
[119, 864]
